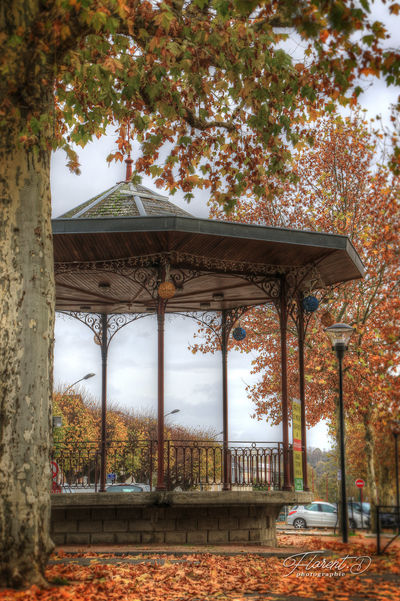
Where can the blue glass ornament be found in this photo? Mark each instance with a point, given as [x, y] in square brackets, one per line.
[239, 333]
[310, 304]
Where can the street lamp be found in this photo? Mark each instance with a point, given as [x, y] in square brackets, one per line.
[77, 382]
[339, 335]
[395, 427]
[172, 412]
[57, 419]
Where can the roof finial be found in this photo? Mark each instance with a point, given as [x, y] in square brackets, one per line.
[128, 161]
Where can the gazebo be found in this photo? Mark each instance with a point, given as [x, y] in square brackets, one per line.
[130, 252]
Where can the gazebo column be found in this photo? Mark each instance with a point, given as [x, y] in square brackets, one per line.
[301, 339]
[226, 476]
[104, 327]
[103, 439]
[283, 319]
[160, 415]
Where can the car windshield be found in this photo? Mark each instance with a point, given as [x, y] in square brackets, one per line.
[366, 508]
[126, 488]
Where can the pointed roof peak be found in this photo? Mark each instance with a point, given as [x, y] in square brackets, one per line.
[128, 162]
[126, 199]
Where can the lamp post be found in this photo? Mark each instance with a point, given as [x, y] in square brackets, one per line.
[57, 419]
[172, 412]
[77, 382]
[395, 426]
[339, 335]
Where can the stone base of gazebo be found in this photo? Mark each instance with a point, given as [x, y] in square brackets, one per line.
[169, 517]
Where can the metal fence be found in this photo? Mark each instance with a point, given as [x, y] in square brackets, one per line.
[387, 519]
[189, 464]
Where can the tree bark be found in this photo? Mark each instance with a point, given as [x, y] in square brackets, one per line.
[26, 348]
[371, 476]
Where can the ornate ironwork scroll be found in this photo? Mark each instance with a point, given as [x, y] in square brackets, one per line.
[212, 320]
[145, 269]
[115, 322]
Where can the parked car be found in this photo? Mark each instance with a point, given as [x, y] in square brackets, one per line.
[125, 488]
[324, 515]
[387, 519]
[318, 513]
[359, 516]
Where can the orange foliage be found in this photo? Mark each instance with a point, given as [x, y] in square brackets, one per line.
[341, 189]
[211, 577]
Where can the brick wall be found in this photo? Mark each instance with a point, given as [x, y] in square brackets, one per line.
[170, 517]
[174, 525]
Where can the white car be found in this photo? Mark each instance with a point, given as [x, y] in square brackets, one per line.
[321, 514]
[318, 513]
[125, 487]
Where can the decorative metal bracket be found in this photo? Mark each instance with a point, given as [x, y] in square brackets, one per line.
[115, 322]
[213, 321]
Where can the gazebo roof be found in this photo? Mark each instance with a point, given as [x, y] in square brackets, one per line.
[108, 261]
[125, 200]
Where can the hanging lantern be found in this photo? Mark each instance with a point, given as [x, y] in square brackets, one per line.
[327, 319]
[166, 290]
[239, 333]
[310, 304]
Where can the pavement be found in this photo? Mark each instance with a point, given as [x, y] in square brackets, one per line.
[159, 555]
[67, 552]
[291, 541]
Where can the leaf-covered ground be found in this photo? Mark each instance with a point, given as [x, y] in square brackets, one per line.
[205, 576]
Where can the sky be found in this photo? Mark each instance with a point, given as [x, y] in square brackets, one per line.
[193, 383]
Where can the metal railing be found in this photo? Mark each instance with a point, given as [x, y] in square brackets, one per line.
[387, 517]
[189, 464]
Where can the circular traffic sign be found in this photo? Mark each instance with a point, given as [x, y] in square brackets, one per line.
[360, 483]
[54, 469]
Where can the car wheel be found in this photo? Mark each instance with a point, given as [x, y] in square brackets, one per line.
[352, 524]
[299, 523]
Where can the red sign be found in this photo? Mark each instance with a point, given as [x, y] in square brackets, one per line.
[360, 483]
[297, 445]
[54, 469]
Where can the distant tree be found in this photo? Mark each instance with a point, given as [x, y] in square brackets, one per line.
[131, 445]
[80, 417]
[325, 468]
[342, 188]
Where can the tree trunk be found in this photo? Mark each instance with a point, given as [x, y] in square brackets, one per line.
[26, 346]
[371, 479]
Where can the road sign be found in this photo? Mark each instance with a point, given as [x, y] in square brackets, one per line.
[54, 469]
[360, 483]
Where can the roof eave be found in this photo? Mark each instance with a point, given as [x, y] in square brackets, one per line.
[207, 226]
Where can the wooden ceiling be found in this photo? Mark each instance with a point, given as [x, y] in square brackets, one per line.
[224, 253]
